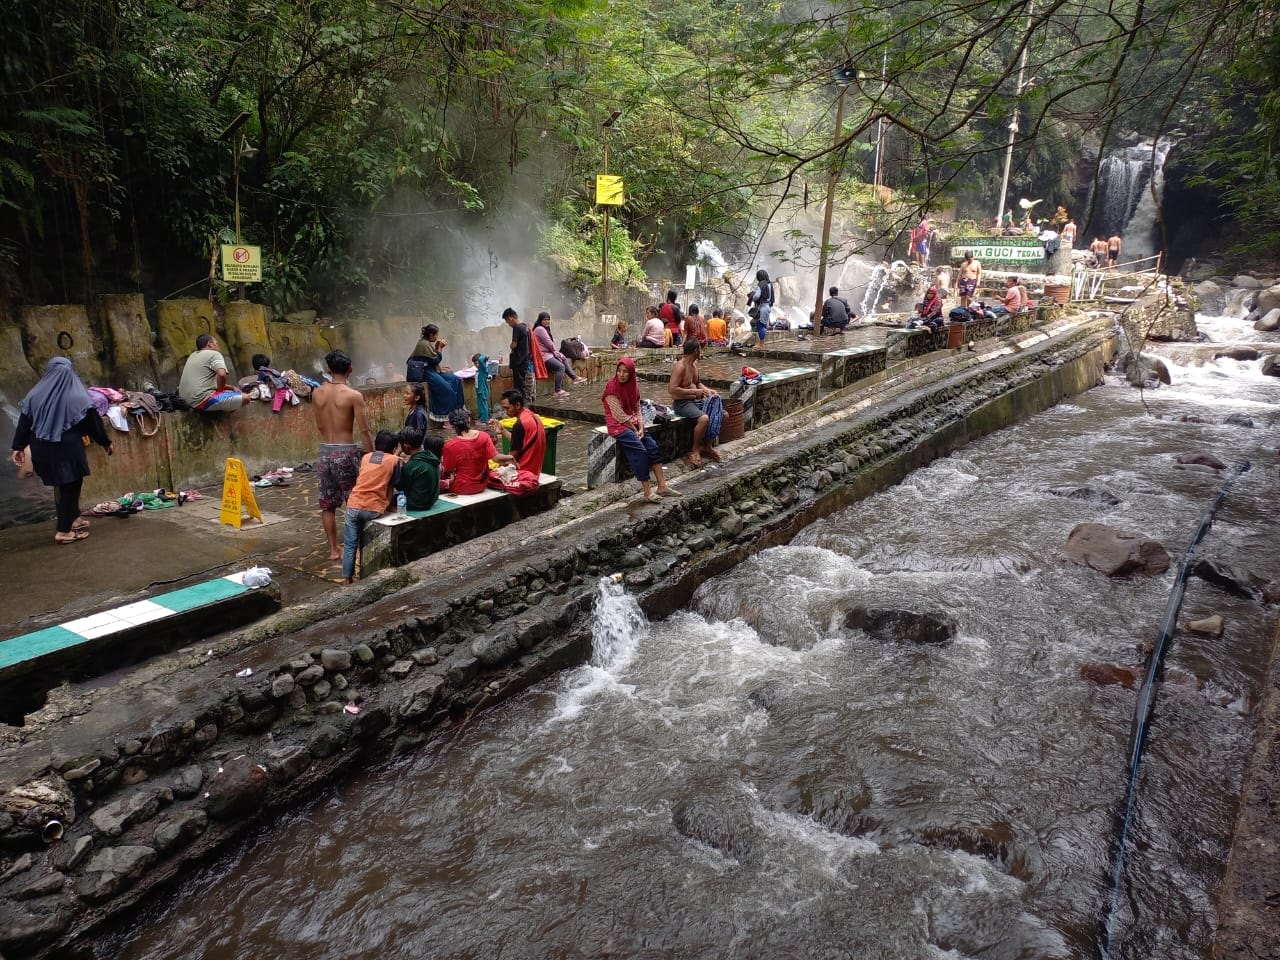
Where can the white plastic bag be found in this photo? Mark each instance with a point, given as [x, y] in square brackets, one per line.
[257, 577]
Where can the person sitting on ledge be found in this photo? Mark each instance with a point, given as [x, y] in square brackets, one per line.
[836, 313]
[717, 329]
[654, 334]
[420, 472]
[625, 424]
[528, 445]
[695, 327]
[464, 466]
[204, 379]
[691, 395]
[1012, 299]
[619, 341]
[379, 476]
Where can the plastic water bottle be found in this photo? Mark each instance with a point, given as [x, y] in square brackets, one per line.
[402, 505]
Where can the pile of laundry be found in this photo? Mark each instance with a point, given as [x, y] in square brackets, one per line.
[279, 477]
[130, 503]
[279, 387]
[147, 405]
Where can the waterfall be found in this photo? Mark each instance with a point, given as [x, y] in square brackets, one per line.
[1124, 204]
[618, 626]
[711, 262]
[875, 285]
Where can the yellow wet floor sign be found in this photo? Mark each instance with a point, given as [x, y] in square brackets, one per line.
[237, 495]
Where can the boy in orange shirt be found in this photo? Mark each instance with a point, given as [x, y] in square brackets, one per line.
[370, 497]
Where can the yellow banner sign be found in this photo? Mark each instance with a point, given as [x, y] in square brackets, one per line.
[609, 190]
[237, 495]
[241, 263]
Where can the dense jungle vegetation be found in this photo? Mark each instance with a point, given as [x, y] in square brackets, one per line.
[375, 126]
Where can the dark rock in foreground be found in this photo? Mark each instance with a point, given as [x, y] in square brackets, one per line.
[901, 626]
[1101, 497]
[722, 823]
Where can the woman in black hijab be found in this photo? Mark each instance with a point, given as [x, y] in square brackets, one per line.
[57, 417]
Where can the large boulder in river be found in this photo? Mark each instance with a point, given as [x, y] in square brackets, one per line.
[1116, 553]
[1269, 299]
[1246, 282]
[1233, 580]
[901, 626]
[1201, 459]
[1268, 321]
[1270, 366]
[1162, 314]
[1213, 299]
[1237, 353]
[1144, 370]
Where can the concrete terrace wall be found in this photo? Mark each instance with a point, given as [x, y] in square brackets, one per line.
[142, 803]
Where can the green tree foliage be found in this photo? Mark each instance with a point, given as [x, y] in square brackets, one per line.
[376, 126]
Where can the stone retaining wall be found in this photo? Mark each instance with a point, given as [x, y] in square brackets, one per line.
[139, 807]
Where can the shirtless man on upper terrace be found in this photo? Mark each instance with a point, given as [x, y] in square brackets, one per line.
[688, 392]
[339, 408]
[970, 275]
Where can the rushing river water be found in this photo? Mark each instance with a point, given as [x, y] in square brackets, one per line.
[861, 799]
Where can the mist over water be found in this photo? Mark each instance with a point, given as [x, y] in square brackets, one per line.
[754, 778]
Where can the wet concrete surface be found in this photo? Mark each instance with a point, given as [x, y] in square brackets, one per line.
[156, 551]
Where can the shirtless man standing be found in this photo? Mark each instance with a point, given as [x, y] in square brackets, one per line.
[687, 390]
[339, 408]
[969, 273]
[1113, 250]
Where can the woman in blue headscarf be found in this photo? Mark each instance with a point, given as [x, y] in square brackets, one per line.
[57, 417]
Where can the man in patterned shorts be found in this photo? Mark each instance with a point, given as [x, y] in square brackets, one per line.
[339, 408]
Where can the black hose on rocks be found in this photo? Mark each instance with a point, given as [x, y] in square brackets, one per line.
[1146, 702]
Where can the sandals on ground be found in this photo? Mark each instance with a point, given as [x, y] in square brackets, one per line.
[71, 537]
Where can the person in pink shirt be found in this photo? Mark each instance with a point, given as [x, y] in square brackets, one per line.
[1012, 298]
[556, 361]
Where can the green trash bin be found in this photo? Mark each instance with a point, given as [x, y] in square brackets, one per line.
[552, 427]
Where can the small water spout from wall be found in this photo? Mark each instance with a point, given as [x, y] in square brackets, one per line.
[617, 628]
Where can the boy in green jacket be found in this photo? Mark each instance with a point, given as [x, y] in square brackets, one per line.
[420, 473]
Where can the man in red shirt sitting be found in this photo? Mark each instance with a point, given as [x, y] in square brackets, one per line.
[528, 444]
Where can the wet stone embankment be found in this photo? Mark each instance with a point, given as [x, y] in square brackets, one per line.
[86, 834]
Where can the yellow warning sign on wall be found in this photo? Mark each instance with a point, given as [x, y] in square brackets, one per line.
[241, 263]
[237, 495]
[609, 190]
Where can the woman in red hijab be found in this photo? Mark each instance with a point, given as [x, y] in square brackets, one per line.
[622, 418]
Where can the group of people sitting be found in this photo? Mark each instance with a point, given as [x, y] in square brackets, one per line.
[422, 466]
[668, 325]
[929, 313]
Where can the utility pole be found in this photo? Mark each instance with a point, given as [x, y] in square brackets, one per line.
[604, 246]
[832, 179]
[1013, 123]
[879, 165]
